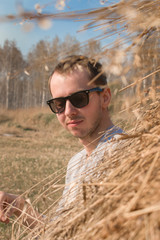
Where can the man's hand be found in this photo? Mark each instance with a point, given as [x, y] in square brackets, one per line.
[10, 204]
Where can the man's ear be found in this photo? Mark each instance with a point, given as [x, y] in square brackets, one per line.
[106, 97]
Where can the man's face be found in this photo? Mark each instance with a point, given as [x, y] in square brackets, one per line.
[81, 122]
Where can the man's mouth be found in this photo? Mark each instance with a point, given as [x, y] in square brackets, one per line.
[74, 123]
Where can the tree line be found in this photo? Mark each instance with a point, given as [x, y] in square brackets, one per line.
[24, 81]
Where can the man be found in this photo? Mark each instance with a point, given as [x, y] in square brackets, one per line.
[80, 100]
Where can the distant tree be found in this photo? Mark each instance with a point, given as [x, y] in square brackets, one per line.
[69, 46]
[92, 48]
[38, 68]
[54, 51]
[54, 54]
[12, 62]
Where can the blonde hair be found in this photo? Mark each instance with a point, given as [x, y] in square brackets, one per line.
[81, 62]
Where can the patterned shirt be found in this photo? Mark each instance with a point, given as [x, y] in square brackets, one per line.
[81, 167]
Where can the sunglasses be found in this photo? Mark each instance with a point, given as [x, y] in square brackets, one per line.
[78, 99]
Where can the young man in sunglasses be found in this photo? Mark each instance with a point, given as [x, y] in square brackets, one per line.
[80, 100]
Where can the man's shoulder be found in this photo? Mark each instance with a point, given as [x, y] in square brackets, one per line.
[77, 157]
[111, 133]
[110, 139]
[81, 153]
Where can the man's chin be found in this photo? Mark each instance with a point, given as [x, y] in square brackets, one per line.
[76, 134]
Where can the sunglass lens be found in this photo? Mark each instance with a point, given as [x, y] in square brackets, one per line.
[79, 99]
[58, 105]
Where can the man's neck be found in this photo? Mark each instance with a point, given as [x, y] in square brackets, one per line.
[89, 146]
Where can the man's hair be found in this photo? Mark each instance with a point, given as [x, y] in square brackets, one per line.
[93, 67]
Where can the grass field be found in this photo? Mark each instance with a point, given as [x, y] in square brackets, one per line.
[33, 146]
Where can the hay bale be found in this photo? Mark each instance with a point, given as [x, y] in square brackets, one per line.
[122, 202]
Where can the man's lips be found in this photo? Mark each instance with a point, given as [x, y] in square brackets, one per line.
[74, 123]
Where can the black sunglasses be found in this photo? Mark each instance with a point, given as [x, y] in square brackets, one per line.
[78, 99]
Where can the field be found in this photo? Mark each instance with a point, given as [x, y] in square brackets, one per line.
[34, 146]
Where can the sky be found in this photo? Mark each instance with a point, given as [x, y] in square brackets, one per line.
[27, 39]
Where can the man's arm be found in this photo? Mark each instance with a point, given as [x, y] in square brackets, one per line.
[11, 204]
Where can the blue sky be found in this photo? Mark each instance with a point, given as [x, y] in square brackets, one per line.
[26, 40]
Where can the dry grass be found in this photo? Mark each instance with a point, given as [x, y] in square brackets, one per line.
[122, 201]
[34, 152]
[33, 146]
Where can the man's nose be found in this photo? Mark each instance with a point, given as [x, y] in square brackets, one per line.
[70, 109]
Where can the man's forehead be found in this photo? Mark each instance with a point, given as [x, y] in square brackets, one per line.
[62, 85]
